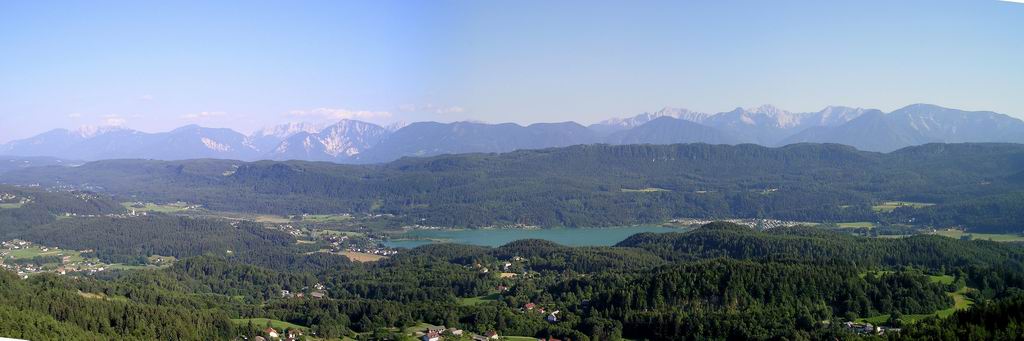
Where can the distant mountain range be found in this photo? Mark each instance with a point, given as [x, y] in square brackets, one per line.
[350, 141]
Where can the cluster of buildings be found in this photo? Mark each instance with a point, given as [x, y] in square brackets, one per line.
[14, 199]
[290, 229]
[64, 266]
[506, 267]
[380, 251]
[129, 213]
[552, 316]
[291, 334]
[869, 329]
[342, 243]
[759, 224]
[438, 333]
[319, 291]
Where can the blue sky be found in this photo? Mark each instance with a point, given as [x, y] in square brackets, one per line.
[154, 66]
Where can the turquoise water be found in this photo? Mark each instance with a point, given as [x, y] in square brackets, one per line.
[565, 236]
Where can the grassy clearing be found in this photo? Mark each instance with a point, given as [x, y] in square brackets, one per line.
[75, 258]
[894, 236]
[326, 218]
[161, 208]
[262, 322]
[960, 302]
[362, 257]
[996, 237]
[273, 219]
[645, 190]
[120, 266]
[856, 224]
[11, 205]
[36, 251]
[877, 273]
[421, 327]
[943, 279]
[470, 301]
[519, 338]
[338, 233]
[153, 262]
[889, 206]
[101, 296]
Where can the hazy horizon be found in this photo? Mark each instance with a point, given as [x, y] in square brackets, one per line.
[325, 121]
[156, 67]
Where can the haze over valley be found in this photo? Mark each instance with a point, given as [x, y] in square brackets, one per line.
[522, 170]
[353, 141]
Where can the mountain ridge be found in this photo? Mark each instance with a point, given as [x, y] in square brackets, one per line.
[352, 141]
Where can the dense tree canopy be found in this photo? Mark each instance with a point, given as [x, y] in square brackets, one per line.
[973, 185]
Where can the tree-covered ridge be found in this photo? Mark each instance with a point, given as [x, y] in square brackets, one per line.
[997, 320]
[596, 185]
[36, 207]
[122, 240]
[810, 245]
[689, 298]
[47, 307]
[716, 282]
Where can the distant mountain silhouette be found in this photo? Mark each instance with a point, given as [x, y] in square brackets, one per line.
[350, 141]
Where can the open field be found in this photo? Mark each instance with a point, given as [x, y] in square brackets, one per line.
[36, 251]
[960, 302]
[11, 205]
[468, 301]
[645, 190]
[261, 322]
[326, 218]
[996, 237]
[888, 206]
[362, 257]
[876, 272]
[856, 224]
[161, 208]
[321, 232]
[267, 218]
[894, 236]
[944, 279]
[421, 327]
[261, 218]
[76, 260]
[153, 262]
[101, 296]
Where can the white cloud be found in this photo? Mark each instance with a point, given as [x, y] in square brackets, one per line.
[114, 120]
[75, 115]
[340, 114]
[147, 98]
[1014, 1]
[203, 115]
[431, 108]
[450, 110]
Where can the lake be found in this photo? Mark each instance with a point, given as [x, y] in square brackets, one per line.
[604, 236]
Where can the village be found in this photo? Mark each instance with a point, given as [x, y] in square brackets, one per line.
[26, 258]
[868, 329]
[758, 224]
[8, 200]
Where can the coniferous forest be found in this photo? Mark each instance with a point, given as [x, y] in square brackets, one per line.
[228, 277]
[524, 170]
[974, 186]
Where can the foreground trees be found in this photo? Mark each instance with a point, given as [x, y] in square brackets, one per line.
[717, 282]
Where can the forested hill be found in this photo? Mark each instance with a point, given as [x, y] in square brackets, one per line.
[591, 185]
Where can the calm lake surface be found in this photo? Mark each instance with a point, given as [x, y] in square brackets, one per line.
[604, 236]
